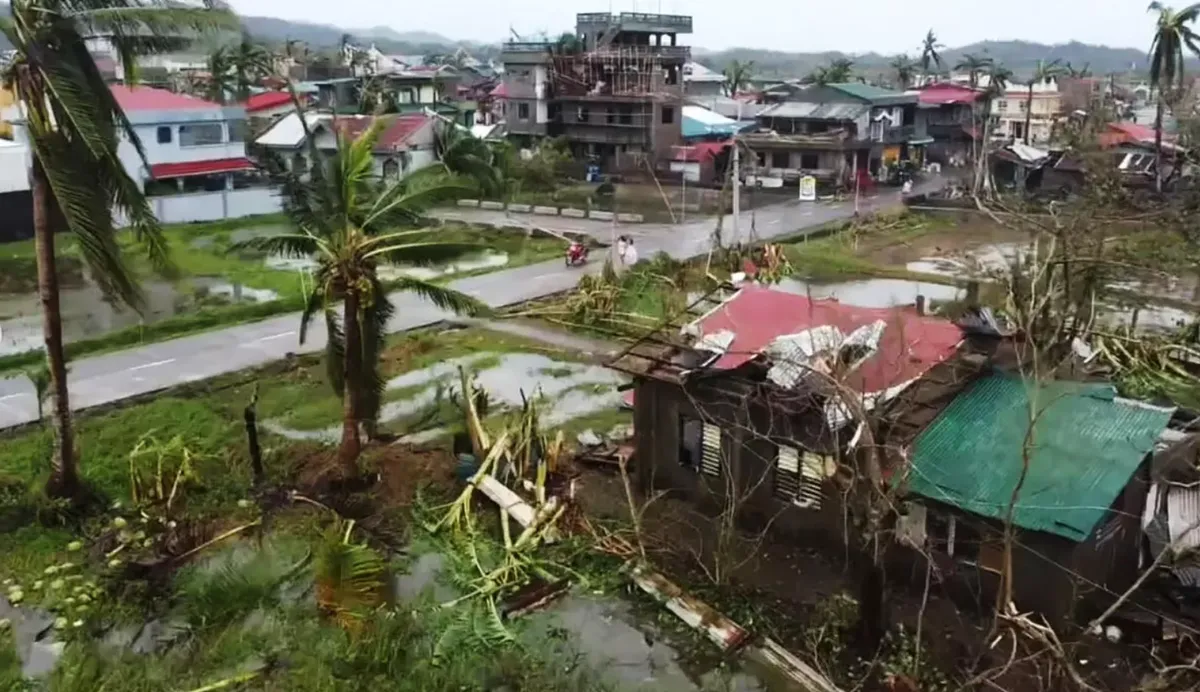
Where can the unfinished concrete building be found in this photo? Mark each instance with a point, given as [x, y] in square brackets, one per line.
[614, 90]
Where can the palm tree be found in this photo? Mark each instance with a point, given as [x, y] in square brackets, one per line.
[250, 62]
[973, 65]
[929, 54]
[999, 77]
[1172, 33]
[1080, 73]
[1042, 72]
[465, 155]
[737, 76]
[904, 68]
[838, 71]
[74, 124]
[340, 214]
[220, 76]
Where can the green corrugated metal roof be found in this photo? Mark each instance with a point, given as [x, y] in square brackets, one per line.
[1086, 446]
[876, 95]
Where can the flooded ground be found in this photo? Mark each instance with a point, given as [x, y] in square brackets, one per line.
[570, 390]
[86, 314]
[875, 293]
[626, 645]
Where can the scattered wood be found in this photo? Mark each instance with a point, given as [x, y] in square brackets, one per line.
[218, 539]
[770, 653]
[534, 596]
[250, 418]
[722, 631]
[610, 455]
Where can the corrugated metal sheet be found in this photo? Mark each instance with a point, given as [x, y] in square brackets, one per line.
[1086, 446]
[816, 111]
[1183, 517]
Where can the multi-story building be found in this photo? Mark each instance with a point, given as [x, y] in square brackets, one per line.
[195, 166]
[615, 94]
[1009, 112]
[834, 132]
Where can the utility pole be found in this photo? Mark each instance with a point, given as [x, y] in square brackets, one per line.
[737, 180]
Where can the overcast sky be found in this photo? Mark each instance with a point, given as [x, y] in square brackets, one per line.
[885, 26]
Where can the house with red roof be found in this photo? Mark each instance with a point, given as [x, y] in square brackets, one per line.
[952, 115]
[762, 392]
[269, 106]
[406, 143]
[196, 168]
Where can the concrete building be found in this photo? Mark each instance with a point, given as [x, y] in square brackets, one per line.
[196, 167]
[835, 132]
[616, 97]
[1008, 112]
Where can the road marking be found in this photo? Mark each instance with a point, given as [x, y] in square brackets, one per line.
[151, 365]
[275, 336]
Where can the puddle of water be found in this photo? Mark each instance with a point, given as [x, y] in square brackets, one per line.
[567, 385]
[87, 315]
[875, 293]
[632, 654]
[290, 264]
[487, 260]
[236, 293]
[34, 638]
[422, 577]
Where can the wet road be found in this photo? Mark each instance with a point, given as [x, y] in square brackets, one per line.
[103, 379]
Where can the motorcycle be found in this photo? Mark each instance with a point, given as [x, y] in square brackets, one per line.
[577, 255]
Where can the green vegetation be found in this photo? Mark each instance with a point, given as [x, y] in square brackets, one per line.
[200, 251]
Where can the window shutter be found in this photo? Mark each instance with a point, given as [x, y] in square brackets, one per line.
[787, 473]
[812, 475]
[710, 452]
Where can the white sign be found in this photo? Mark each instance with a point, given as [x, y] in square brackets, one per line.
[808, 189]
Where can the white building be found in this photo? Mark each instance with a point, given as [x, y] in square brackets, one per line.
[1008, 111]
[196, 167]
[405, 145]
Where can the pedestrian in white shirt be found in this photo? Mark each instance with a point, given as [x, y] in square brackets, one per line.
[622, 248]
[631, 255]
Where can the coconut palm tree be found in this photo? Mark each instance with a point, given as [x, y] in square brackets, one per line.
[1172, 33]
[905, 69]
[838, 70]
[251, 62]
[930, 57]
[341, 214]
[466, 156]
[737, 76]
[1043, 72]
[74, 124]
[998, 80]
[974, 66]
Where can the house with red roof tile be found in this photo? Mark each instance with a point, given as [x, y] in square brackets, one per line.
[761, 394]
[405, 145]
[953, 119]
[195, 166]
[267, 107]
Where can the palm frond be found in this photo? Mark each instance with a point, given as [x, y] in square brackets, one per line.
[374, 339]
[349, 577]
[291, 245]
[442, 297]
[335, 351]
[315, 303]
[409, 198]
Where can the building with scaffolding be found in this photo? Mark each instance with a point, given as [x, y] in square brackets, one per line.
[614, 89]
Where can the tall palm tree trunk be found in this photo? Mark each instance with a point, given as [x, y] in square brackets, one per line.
[352, 379]
[1028, 112]
[1158, 151]
[64, 481]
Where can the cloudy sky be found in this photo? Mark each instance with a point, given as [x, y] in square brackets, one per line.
[886, 26]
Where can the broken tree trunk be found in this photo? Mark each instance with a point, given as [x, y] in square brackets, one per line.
[250, 415]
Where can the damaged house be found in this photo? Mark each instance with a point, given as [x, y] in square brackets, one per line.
[748, 409]
[1080, 478]
[748, 412]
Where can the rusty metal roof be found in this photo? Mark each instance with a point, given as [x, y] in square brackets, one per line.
[816, 111]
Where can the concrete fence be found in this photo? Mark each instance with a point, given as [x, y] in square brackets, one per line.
[547, 210]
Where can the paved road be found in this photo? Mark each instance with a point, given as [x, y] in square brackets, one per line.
[107, 378]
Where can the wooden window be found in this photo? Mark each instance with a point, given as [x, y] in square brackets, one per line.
[710, 455]
[799, 476]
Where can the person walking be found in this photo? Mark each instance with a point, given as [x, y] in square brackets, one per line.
[622, 249]
[631, 253]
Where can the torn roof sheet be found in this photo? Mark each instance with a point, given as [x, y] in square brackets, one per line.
[762, 319]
